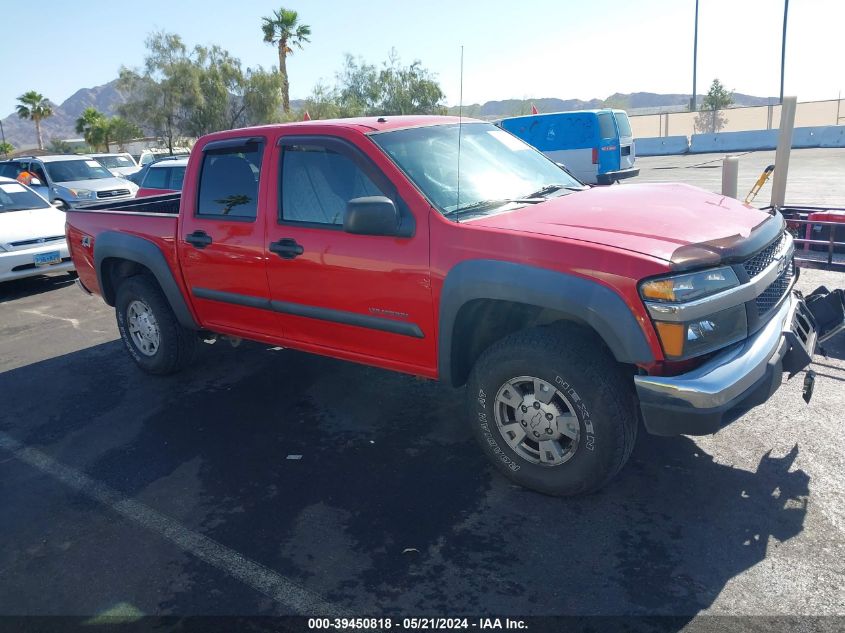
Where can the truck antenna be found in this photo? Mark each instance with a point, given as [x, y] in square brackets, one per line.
[460, 125]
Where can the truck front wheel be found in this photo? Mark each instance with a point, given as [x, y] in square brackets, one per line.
[154, 338]
[552, 410]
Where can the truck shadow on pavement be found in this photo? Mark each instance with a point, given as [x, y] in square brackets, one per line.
[365, 487]
[29, 286]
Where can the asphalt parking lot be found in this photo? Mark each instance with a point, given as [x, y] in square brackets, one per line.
[266, 481]
[816, 176]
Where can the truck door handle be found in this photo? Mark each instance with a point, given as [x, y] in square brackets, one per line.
[286, 248]
[198, 239]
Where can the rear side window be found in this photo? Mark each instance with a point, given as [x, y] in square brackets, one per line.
[177, 177]
[229, 182]
[10, 170]
[317, 182]
[156, 178]
[606, 127]
[623, 123]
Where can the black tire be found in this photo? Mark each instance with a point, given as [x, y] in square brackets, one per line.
[576, 364]
[177, 345]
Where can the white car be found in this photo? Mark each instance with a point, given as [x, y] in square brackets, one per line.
[32, 234]
[121, 165]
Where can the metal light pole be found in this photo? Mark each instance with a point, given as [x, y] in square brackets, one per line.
[693, 107]
[783, 46]
[3, 135]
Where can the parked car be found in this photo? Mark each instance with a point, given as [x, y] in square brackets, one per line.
[73, 180]
[568, 311]
[14, 169]
[597, 146]
[152, 155]
[163, 176]
[32, 234]
[121, 165]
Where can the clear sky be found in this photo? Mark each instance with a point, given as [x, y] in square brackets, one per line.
[536, 48]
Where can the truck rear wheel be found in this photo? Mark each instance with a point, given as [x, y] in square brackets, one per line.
[552, 410]
[154, 338]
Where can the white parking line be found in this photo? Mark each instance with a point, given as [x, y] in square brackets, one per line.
[73, 322]
[262, 579]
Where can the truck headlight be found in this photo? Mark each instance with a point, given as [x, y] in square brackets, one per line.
[82, 194]
[702, 335]
[689, 286]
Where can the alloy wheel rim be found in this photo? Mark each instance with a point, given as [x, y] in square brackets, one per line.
[537, 421]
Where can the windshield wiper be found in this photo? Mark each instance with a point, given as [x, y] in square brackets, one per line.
[493, 203]
[552, 188]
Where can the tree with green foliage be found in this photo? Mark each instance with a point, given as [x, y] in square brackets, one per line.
[364, 89]
[35, 107]
[711, 118]
[93, 126]
[122, 131]
[158, 96]
[261, 97]
[191, 92]
[59, 146]
[6, 148]
[284, 31]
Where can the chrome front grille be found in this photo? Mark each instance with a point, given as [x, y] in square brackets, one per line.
[36, 241]
[113, 193]
[756, 264]
[772, 295]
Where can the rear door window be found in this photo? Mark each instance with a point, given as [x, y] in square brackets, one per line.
[606, 127]
[177, 177]
[156, 178]
[229, 181]
[10, 170]
[623, 123]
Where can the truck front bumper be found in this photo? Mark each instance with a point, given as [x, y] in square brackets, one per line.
[726, 386]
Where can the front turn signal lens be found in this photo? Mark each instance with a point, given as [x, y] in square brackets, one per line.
[659, 289]
[672, 337]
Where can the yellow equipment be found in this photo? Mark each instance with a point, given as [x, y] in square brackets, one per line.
[767, 172]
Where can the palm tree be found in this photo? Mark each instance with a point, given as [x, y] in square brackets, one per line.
[284, 30]
[91, 124]
[34, 106]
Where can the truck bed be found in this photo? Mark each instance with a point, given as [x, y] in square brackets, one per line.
[150, 218]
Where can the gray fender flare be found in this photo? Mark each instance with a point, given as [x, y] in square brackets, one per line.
[587, 301]
[142, 251]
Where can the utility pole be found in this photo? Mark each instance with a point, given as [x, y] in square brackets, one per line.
[783, 46]
[3, 135]
[692, 106]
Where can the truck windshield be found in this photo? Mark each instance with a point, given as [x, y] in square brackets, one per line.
[495, 166]
[16, 197]
[71, 170]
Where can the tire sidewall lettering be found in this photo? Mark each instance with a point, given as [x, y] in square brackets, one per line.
[124, 334]
[489, 438]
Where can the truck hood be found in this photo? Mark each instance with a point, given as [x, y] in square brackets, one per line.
[31, 224]
[664, 220]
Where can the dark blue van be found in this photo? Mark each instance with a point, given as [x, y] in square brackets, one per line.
[597, 146]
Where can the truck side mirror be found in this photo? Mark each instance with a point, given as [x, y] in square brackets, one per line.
[35, 182]
[371, 215]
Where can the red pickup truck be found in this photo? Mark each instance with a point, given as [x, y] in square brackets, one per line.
[452, 250]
